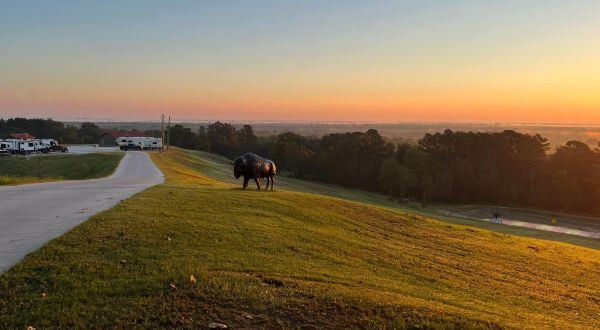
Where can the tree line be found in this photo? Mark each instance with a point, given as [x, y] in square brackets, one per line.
[504, 168]
[86, 133]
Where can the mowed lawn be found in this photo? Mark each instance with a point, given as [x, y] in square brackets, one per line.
[218, 167]
[198, 250]
[42, 168]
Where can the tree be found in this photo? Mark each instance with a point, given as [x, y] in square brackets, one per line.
[246, 140]
[153, 133]
[388, 176]
[89, 133]
[203, 143]
[222, 139]
[182, 137]
[395, 179]
[427, 188]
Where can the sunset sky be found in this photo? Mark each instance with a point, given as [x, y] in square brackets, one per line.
[346, 60]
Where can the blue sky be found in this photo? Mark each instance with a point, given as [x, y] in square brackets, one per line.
[271, 58]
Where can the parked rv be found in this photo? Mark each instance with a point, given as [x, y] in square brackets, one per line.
[17, 146]
[9, 145]
[52, 145]
[156, 144]
[40, 147]
[139, 143]
[20, 146]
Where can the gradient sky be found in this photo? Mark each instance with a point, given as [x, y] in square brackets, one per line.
[346, 60]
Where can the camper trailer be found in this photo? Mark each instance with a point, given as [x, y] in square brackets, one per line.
[151, 143]
[4, 149]
[130, 143]
[156, 144]
[27, 146]
[52, 145]
[40, 147]
[138, 143]
[15, 146]
[9, 145]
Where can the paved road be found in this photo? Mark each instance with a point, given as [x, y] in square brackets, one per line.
[555, 229]
[87, 149]
[31, 215]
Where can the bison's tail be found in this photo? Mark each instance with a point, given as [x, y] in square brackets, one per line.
[273, 169]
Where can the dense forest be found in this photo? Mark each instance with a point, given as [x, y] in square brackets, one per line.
[504, 168]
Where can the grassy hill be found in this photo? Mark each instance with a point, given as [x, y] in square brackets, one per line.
[20, 170]
[197, 250]
[219, 168]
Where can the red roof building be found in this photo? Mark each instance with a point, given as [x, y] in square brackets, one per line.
[22, 136]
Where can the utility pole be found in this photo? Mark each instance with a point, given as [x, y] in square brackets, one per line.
[162, 131]
[169, 133]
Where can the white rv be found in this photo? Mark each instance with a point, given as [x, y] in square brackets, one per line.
[156, 144]
[52, 145]
[15, 146]
[139, 143]
[27, 146]
[9, 145]
[121, 142]
[40, 147]
[5, 148]
[130, 142]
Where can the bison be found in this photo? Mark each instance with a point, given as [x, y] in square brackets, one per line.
[252, 166]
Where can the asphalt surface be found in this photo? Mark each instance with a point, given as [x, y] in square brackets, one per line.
[33, 214]
[87, 149]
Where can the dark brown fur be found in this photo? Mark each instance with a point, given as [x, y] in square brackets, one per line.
[252, 166]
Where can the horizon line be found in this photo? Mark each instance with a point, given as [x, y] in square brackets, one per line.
[323, 122]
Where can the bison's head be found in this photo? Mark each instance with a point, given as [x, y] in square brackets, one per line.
[239, 165]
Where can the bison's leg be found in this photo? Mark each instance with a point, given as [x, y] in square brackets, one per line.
[268, 181]
[257, 183]
[246, 182]
[272, 182]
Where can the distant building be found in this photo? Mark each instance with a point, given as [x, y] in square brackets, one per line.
[21, 136]
[108, 139]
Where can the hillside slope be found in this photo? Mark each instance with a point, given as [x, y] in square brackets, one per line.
[219, 168]
[288, 259]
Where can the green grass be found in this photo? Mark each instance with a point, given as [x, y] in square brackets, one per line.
[287, 259]
[219, 168]
[42, 168]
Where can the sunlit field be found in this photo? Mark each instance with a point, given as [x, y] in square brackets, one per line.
[197, 250]
[219, 168]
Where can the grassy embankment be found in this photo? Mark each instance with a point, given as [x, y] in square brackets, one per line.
[219, 168]
[21, 170]
[289, 259]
